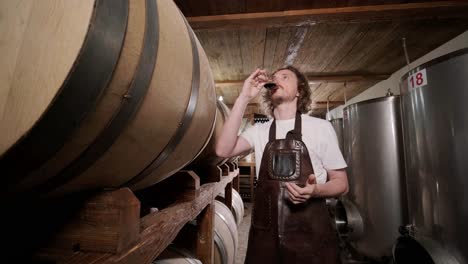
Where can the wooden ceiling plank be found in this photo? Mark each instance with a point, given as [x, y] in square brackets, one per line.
[253, 6]
[335, 44]
[271, 43]
[209, 7]
[217, 7]
[286, 35]
[252, 44]
[326, 92]
[358, 32]
[228, 7]
[320, 93]
[210, 43]
[309, 56]
[223, 51]
[372, 42]
[233, 64]
[421, 37]
[296, 44]
[379, 34]
[372, 13]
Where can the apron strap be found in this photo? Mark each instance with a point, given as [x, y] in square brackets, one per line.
[272, 135]
[296, 133]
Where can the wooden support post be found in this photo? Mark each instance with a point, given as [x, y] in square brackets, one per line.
[235, 182]
[225, 169]
[228, 195]
[189, 181]
[231, 166]
[205, 241]
[182, 186]
[210, 174]
[108, 222]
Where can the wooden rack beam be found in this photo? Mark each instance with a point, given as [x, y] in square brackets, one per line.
[158, 229]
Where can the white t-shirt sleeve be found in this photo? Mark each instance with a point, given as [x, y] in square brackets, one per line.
[249, 135]
[332, 157]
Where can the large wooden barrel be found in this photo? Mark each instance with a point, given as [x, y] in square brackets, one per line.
[208, 156]
[90, 100]
[176, 255]
[225, 235]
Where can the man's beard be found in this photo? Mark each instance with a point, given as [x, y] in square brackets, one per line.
[275, 101]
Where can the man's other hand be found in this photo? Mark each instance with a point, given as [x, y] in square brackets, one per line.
[298, 194]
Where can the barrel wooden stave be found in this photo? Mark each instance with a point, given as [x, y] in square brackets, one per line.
[41, 46]
[208, 156]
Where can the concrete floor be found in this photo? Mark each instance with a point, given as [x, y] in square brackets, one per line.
[244, 234]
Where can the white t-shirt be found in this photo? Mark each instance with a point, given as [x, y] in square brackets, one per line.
[317, 134]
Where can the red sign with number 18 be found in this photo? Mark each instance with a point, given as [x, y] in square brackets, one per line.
[417, 79]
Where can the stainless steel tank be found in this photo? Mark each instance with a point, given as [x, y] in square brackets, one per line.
[375, 207]
[337, 124]
[435, 120]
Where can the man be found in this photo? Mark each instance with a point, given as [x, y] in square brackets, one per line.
[297, 170]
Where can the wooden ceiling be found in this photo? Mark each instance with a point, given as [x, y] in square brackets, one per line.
[338, 44]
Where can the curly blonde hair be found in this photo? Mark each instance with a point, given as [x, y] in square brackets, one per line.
[304, 100]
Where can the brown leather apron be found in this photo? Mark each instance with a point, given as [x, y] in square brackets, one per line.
[282, 232]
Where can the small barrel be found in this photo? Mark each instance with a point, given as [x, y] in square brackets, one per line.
[237, 206]
[225, 235]
[176, 255]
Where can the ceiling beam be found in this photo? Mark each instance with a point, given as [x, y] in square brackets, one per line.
[331, 103]
[386, 12]
[323, 104]
[324, 78]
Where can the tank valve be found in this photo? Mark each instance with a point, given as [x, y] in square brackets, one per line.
[389, 92]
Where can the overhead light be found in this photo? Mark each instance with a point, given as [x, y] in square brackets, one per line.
[220, 98]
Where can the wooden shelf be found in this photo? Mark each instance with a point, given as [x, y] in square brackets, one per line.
[154, 232]
[251, 168]
[246, 163]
